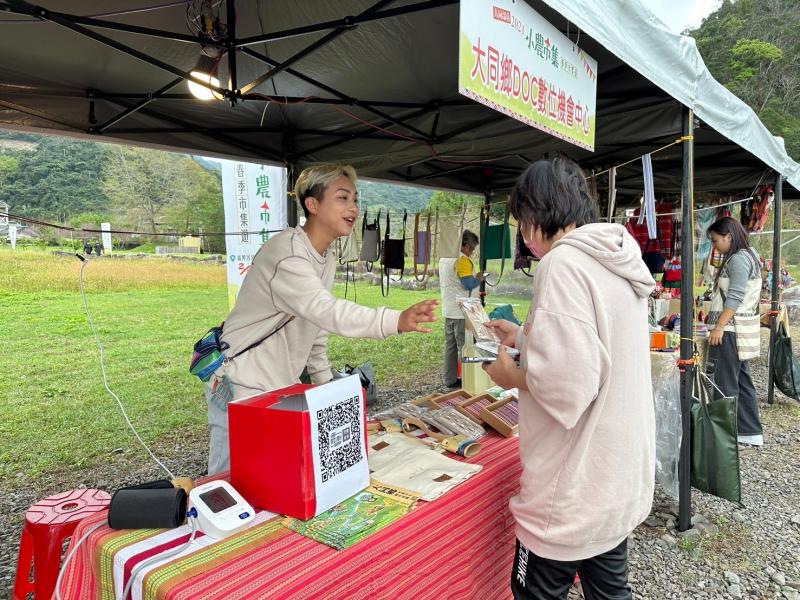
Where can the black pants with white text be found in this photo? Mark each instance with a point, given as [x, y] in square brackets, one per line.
[603, 577]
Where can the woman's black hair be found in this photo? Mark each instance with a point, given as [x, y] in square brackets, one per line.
[740, 239]
[552, 194]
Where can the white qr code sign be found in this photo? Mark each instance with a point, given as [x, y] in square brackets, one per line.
[338, 441]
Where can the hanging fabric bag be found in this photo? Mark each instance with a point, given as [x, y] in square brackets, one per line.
[451, 227]
[715, 451]
[496, 242]
[393, 254]
[654, 259]
[370, 240]
[786, 368]
[422, 248]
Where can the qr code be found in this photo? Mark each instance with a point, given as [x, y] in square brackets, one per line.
[339, 436]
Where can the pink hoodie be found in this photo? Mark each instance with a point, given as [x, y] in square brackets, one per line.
[587, 425]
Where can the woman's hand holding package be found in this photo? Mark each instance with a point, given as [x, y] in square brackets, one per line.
[413, 316]
[506, 330]
[504, 371]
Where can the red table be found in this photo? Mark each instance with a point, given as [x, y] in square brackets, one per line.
[459, 546]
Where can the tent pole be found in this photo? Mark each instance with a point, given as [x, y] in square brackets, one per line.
[291, 204]
[135, 108]
[231, 39]
[313, 47]
[25, 8]
[687, 323]
[352, 101]
[487, 208]
[776, 279]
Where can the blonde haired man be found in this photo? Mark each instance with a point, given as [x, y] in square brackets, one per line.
[285, 309]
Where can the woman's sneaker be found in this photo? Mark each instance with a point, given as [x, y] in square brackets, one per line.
[751, 440]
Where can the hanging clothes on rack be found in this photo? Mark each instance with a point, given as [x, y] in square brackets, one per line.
[677, 237]
[746, 213]
[725, 211]
[703, 220]
[761, 208]
[612, 193]
[677, 230]
[649, 213]
[664, 224]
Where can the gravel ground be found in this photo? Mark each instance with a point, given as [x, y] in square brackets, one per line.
[732, 552]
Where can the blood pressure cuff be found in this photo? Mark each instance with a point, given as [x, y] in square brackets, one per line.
[149, 508]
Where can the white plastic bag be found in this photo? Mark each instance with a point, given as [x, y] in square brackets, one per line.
[667, 398]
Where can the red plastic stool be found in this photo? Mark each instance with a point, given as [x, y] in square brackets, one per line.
[47, 524]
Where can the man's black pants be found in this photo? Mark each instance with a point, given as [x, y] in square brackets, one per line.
[603, 577]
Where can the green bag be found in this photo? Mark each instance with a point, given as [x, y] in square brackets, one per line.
[496, 241]
[785, 368]
[715, 452]
[506, 312]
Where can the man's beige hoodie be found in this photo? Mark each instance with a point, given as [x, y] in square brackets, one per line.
[289, 279]
[587, 424]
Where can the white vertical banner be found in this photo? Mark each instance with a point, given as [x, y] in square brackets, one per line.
[106, 227]
[338, 442]
[255, 209]
[12, 235]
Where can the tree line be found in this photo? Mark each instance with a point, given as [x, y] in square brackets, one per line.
[753, 48]
[84, 183]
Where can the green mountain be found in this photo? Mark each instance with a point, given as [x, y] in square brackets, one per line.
[753, 48]
[374, 195]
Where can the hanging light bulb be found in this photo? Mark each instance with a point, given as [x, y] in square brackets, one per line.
[206, 71]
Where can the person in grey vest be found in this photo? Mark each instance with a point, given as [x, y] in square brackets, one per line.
[737, 290]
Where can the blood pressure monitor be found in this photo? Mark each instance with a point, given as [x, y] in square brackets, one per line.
[221, 510]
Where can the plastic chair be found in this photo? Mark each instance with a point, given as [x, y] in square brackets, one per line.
[47, 524]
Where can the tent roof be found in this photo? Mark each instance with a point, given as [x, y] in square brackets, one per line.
[381, 95]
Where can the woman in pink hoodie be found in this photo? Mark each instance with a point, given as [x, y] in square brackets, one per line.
[587, 425]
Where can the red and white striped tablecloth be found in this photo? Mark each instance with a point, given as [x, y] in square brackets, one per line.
[459, 546]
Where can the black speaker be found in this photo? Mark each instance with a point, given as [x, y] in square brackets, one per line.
[153, 508]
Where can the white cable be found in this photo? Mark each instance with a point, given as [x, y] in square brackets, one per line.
[264, 114]
[157, 558]
[105, 376]
[790, 241]
[70, 555]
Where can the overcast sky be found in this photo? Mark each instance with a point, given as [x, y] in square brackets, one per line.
[680, 14]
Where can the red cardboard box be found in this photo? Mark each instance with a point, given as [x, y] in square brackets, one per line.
[271, 451]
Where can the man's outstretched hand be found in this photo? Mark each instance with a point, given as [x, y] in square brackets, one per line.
[411, 319]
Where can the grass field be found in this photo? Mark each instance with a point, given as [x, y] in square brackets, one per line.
[54, 411]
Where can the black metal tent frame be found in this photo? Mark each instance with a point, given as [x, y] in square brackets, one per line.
[471, 175]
